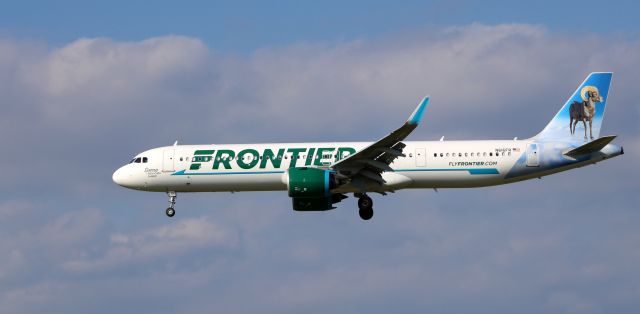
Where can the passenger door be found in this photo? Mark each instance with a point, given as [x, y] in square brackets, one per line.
[167, 162]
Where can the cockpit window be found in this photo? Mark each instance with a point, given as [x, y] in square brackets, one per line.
[138, 160]
[144, 160]
[132, 160]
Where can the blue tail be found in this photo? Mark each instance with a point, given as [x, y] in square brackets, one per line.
[580, 118]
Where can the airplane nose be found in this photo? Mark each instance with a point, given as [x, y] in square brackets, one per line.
[121, 177]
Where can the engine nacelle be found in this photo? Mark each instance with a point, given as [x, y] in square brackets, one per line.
[310, 189]
[311, 204]
[307, 182]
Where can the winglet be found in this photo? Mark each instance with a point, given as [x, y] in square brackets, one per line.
[416, 116]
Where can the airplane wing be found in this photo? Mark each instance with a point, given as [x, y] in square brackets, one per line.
[368, 164]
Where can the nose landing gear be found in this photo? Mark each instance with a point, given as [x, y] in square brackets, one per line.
[365, 204]
[172, 201]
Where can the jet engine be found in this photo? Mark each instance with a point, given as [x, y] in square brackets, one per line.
[310, 189]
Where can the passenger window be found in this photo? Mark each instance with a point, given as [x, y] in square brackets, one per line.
[410, 155]
[509, 154]
[447, 154]
[459, 154]
[435, 154]
[466, 154]
[471, 154]
[491, 154]
[441, 154]
[484, 154]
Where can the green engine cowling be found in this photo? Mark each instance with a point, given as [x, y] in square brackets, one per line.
[310, 189]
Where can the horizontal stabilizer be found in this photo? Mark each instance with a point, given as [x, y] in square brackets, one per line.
[591, 147]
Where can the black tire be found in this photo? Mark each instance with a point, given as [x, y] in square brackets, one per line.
[366, 213]
[170, 212]
[365, 202]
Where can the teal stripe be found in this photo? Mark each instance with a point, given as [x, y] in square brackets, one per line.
[473, 171]
[484, 171]
[470, 170]
[182, 173]
[326, 183]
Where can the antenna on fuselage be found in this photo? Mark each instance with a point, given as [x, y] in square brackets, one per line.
[175, 143]
[442, 139]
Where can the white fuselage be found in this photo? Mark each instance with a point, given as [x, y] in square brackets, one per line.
[259, 167]
[318, 175]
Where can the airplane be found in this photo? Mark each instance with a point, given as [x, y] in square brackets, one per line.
[319, 175]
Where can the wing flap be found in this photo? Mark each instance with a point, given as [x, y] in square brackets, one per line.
[378, 165]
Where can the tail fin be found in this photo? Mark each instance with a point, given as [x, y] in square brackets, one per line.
[581, 116]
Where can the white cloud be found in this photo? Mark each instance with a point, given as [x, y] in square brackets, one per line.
[177, 86]
[177, 239]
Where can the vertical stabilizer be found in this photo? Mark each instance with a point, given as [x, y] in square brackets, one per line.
[580, 119]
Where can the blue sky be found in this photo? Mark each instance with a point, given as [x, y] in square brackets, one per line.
[242, 26]
[84, 87]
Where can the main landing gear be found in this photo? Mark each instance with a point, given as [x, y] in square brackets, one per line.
[172, 201]
[365, 204]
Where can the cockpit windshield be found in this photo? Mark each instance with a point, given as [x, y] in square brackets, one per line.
[138, 160]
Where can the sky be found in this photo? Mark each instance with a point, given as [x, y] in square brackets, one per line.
[86, 86]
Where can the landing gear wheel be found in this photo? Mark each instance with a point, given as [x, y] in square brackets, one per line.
[365, 202]
[366, 213]
[172, 201]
